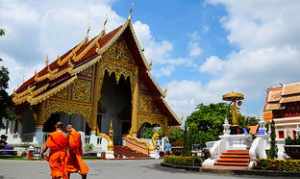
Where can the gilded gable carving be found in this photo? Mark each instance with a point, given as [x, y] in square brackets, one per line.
[152, 119]
[148, 105]
[67, 107]
[118, 59]
[82, 91]
[120, 52]
[63, 94]
[88, 72]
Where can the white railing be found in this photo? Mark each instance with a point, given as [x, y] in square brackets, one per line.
[218, 148]
[215, 151]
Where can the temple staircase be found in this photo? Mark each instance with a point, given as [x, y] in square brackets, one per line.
[233, 158]
[125, 153]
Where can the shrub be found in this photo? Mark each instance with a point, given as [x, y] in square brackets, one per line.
[183, 160]
[88, 147]
[280, 165]
[147, 133]
[289, 141]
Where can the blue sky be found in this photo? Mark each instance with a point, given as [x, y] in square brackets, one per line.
[199, 49]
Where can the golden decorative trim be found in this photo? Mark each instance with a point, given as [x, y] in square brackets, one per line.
[171, 111]
[138, 45]
[85, 66]
[51, 92]
[71, 55]
[39, 90]
[142, 143]
[95, 42]
[110, 144]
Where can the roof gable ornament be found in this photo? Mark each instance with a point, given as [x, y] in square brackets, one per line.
[103, 32]
[130, 11]
[150, 65]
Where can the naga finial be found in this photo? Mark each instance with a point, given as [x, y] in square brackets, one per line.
[46, 60]
[104, 26]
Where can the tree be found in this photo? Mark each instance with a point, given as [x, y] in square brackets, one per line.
[2, 32]
[175, 134]
[273, 149]
[187, 145]
[206, 122]
[6, 105]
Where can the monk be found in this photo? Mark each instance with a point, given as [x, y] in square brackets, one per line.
[75, 163]
[57, 142]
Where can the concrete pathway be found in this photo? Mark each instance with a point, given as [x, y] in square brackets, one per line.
[141, 169]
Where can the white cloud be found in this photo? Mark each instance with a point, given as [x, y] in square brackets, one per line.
[194, 46]
[267, 36]
[159, 53]
[185, 95]
[35, 29]
[212, 65]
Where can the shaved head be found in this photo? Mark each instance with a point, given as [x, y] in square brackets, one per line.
[60, 125]
[69, 127]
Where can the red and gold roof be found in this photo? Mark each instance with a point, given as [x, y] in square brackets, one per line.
[277, 96]
[63, 71]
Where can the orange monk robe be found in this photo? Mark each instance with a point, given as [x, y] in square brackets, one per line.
[75, 162]
[57, 142]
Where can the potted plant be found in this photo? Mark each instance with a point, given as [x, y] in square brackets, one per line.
[292, 147]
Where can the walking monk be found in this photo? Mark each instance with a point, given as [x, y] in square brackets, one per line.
[75, 163]
[57, 142]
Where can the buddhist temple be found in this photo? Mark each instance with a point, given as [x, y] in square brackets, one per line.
[101, 84]
[282, 105]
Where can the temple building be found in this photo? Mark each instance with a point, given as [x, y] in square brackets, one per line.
[100, 84]
[283, 106]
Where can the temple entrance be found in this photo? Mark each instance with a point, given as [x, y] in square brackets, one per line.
[115, 107]
[76, 120]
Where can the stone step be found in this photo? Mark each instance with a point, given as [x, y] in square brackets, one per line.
[231, 164]
[238, 160]
[234, 156]
[236, 153]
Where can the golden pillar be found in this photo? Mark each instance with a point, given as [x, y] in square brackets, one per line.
[96, 96]
[134, 104]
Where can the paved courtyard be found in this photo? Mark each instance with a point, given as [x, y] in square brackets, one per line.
[149, 169]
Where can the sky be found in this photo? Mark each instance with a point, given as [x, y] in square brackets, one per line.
[200, 49]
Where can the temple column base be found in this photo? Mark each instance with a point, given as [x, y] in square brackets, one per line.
[93, 138]
[109, 155]
[154, 155]
[38, 136]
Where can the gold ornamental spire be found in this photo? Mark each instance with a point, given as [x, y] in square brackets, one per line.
[130, 11]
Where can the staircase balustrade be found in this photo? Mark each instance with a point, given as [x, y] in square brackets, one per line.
[258, 149]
